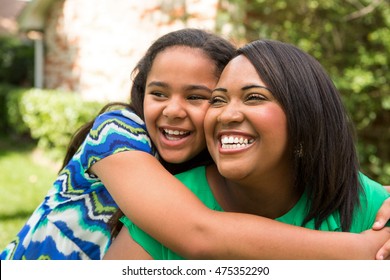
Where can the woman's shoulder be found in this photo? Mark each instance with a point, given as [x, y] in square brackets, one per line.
[371, 198]
[372, 190]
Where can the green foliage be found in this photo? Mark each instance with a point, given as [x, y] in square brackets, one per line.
[4, 91]
[53, 117]
[10, 118]
[16, 61]
[21, 191]
[351, 39]
[48, 116]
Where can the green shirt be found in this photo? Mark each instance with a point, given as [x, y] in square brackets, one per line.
[195, 179]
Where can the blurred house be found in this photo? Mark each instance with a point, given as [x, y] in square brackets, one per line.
[91, 46]
[9, 10]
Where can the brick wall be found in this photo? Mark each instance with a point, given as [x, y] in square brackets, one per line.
[91, 46]
[9, 10]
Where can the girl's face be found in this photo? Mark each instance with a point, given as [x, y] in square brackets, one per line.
[177, 92]
[245, 126]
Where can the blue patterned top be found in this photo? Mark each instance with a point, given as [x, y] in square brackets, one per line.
[71, 222]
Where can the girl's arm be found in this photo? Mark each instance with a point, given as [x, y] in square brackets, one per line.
[163, 207]
[125, 248]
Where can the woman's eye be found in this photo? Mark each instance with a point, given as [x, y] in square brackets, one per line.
[216, 100]
[255, 97]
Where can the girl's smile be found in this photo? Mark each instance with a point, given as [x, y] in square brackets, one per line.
[178, 88]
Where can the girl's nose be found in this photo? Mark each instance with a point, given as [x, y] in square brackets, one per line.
[174, 110]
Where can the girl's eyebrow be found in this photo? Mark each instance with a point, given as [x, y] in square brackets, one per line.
[196, 87]
[158, 84]
[187, 87]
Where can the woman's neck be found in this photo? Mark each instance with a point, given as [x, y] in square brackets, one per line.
[271, 196]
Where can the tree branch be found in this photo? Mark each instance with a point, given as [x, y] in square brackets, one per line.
[364, 11]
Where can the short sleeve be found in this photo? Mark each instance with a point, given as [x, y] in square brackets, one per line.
[370, 201]
[155, 249]
[114, 132]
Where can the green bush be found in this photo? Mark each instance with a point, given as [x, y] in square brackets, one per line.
[16, 61]
[50, 117]
[11, 122]
[4, 122]
[53, 117]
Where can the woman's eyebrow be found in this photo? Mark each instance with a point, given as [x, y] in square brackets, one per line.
[220, 89]
[255, 86]
[243, 88]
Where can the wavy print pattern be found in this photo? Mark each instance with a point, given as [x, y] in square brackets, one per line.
[71, 222]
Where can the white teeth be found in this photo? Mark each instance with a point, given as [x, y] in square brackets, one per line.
[175, 135]
[230, 142]
[234, 146]
[175, 132]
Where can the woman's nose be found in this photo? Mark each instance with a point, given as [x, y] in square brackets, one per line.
[230, 113]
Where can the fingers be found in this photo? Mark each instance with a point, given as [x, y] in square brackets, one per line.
[384, 252]
[383, 215]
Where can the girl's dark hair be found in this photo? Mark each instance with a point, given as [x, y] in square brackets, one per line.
[219, 50]
[327, 166]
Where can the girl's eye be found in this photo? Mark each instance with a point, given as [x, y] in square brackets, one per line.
[216, 100]
[157, 94]
[197, 97]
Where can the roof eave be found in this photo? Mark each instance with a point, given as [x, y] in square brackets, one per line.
[33, 16]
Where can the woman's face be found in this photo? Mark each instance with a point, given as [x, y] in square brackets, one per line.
[177, 92]
[245, 126]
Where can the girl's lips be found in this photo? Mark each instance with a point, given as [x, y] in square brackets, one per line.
[174, 137]
[173, 134]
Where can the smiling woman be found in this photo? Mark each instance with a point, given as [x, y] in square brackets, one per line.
[242, 106]
[271, 129]
[111, 161]
[283, 101]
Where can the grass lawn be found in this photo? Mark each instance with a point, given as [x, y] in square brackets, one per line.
[25, 178]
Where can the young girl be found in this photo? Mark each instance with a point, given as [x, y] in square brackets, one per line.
[72, 221]
[270, 130]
